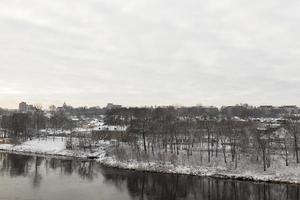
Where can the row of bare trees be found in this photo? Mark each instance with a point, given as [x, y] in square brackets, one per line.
[167, 133]
[27, 125]
[23, 125]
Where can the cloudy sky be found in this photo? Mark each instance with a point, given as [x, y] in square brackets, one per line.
[149, 52]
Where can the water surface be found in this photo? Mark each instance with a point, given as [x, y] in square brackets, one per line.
[34, 178]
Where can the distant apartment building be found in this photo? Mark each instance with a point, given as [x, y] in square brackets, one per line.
[267, 110]
[30, 108]
[23, 107]
[64, 108]
[266, 107]
[290, 109]
[112, 106]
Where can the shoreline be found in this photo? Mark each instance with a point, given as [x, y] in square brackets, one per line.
[160, 168]
[44, 155]
[202, 173]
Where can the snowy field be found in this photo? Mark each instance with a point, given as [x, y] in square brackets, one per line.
[50, 146]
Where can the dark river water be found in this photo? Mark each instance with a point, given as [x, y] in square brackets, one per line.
[30, 178]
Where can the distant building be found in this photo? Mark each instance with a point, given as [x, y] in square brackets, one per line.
[112, 106]
[290, 109]
[267, 110]
[30, 108]
[64, 108]
[23, 107]
[237, 110]
[266, 107]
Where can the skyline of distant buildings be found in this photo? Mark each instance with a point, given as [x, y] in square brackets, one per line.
[25, 107]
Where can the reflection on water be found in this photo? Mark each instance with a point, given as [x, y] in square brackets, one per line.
[158, 186]
[31, 177]
[30, 166]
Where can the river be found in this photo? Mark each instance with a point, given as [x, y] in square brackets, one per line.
[43, 178]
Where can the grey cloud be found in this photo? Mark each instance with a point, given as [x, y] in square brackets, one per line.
[140, 52]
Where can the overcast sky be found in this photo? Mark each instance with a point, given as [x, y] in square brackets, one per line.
[149, 52]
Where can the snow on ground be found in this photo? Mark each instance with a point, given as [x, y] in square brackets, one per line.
[282, 175]
[246, 170]
[50, 146]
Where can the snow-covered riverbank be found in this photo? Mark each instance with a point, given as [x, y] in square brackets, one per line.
[57, 147]
[288, 175]
[51, 146]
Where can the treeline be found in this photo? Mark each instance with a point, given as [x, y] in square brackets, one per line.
[243, 111]
[22, 124]
[169, 133]
[27, 125]
[87, 112]
[80, 111]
